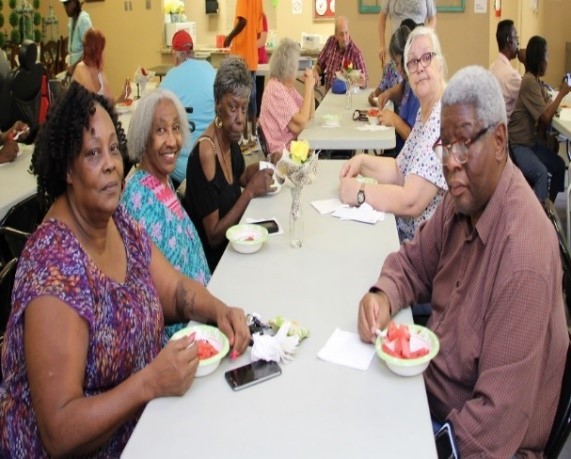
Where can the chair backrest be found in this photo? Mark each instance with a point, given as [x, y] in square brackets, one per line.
[562, 422]
[49, 56]
[263, 142]
[20, 221]
[25, 86]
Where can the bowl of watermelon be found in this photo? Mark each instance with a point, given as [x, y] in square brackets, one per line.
[407, 349]
[212, 345]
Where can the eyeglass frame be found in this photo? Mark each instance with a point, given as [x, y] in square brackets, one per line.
[439, 147]
[424, 60]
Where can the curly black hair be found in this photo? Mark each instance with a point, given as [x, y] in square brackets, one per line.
[535, 52]
[60, 139]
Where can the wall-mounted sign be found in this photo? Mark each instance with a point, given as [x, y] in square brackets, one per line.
[323, 10]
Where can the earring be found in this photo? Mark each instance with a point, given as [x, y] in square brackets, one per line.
[217, 122]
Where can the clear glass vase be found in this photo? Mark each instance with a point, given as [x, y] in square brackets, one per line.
[296, 219]
[348, 96]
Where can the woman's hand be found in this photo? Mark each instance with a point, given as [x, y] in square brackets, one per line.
[372, 101]
[383, 98]
[352, 167]
[172, 372]
[259, 184]
[8, 152]
[309, 79]
[387, 117]
[232, 322]
[374, 314]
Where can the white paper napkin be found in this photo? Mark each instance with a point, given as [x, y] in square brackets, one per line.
[346, 348]
[372, 127]
[326, 206]
[365, 213]
[565, 114]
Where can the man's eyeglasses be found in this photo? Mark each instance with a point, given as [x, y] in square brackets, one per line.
[458, 148]
[424, 60]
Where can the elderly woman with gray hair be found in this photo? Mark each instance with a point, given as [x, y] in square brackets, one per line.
[157, 132]
[216, 172]
[285, 113]
[412, 185]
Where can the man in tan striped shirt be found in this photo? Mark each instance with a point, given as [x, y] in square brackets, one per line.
[488, 260]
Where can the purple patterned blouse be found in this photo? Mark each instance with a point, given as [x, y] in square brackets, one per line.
[125, 325]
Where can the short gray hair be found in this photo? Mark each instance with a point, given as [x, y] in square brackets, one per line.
[285, 60]
[232, 77]
[181, 56]
[140, 127]
[477, 87]
[422, 31]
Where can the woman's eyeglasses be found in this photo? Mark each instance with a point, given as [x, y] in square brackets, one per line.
[459, 148]
[424, 60]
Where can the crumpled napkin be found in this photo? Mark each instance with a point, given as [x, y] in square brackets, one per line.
[346, 348]
[279, 347]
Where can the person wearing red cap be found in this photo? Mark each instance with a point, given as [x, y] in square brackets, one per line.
[191, 80]
[243, 40]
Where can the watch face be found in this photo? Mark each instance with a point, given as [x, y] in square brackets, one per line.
[360, 197]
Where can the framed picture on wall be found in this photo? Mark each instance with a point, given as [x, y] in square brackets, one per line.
[449, 5]
[369, 6]
[323, 10]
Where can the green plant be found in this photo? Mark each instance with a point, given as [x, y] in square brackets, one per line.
[13, 19]
[2, 40]
[36, 4]
[15, 36]
[1, 22]
[37, 35]
[12, 4]
[37, 18]
[1, 4]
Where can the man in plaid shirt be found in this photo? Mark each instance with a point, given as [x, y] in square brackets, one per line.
[340, 48]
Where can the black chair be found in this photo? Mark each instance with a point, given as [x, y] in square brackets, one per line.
[25, 91]
[263, 141]
[20, 221]
[7, 276]
[562, 422]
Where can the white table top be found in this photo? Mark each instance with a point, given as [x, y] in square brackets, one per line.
[16, 182]
[346, 136]
[562, 125]
[315, 408]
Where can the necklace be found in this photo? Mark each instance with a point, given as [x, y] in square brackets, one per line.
[226, 169]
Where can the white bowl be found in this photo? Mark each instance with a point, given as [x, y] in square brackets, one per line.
[373, 120]
[419, 337]
[247, 238]
[215, 337]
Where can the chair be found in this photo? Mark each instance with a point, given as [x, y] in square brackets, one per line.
[562, 422]
[25, 90]
[20, 221]
[7, 276]
[49, 57]
[263, 141]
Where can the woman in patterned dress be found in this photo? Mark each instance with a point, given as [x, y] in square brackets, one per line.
[83, 347]
[412, 185]
[158, 130]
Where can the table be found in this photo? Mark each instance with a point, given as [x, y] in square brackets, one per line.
[17, 183]
[346, 136]
[563, 126]
[315, 408]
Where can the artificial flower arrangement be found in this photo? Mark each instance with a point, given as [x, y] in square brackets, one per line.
[348, 73]
[174, 7]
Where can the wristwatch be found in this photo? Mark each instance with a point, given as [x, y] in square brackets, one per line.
[360, 197]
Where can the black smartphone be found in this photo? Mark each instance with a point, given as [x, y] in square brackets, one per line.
[271, 225]
[253, 373]
[445, 444]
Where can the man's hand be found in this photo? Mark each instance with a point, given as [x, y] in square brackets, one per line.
[374, 314]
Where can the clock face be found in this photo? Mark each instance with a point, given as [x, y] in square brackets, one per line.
[321, 7]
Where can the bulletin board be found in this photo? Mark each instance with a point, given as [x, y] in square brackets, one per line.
[323, 10]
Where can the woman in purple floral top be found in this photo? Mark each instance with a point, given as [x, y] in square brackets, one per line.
[158, 130]
[82, 351]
